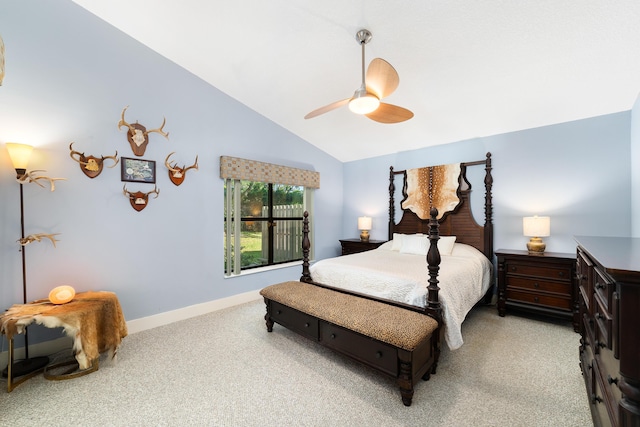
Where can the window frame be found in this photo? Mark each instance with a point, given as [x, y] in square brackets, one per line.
[233, 230]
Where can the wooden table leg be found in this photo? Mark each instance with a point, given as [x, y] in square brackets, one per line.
[11, 384]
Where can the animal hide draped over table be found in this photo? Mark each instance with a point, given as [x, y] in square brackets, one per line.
[93, 319]
[433, 186]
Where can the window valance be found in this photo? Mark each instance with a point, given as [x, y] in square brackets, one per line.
[252, 170]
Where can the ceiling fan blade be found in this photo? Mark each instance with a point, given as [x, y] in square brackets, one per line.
[388, 113]
[327, 108]
[382, 79]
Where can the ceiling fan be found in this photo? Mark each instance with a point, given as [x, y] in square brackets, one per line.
[381, 81]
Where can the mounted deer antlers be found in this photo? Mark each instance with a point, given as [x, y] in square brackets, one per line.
[37, 238]
[90, 165]
[139, 199]
[138, 135]
[29, 177]
[176, 173]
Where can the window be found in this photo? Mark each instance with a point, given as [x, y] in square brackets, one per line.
[263, 220]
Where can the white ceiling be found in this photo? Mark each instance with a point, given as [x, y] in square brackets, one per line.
[467, 68]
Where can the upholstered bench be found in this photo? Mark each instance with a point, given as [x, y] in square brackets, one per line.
[396, 341]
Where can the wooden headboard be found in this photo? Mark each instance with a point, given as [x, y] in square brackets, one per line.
[459, 222]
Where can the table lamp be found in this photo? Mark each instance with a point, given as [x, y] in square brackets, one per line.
[364, 225]
[536, 227]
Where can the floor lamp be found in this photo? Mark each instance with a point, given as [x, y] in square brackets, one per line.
[19, 154]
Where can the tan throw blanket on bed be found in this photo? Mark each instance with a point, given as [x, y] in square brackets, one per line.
[433, 186]
[93, 319]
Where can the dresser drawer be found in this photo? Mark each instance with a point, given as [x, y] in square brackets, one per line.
[371, 352]
[603, 324]
[589, 337]
[584, 273]
[539, 285]
[604, 287]
[549, 271]
[547, 300]
[586, 364]
[295, 320]
[603, 397]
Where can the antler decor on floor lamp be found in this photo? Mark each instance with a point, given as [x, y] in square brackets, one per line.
[19, 154]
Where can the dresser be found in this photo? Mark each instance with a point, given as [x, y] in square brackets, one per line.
[543, 284]
[353, 246]
[608, 272]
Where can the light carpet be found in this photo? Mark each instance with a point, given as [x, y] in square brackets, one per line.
[225, 369]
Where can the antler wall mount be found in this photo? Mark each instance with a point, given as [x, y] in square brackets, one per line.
[91, 166]
[177, 173]
[139, 200]
[138, 135]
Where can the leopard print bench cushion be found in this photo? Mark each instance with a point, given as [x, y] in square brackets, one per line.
[393, 325]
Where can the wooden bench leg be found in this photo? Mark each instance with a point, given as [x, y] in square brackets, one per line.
[269, 322]
[405, 382]
[267, 317]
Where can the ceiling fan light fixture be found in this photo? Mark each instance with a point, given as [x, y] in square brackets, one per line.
[363, 102]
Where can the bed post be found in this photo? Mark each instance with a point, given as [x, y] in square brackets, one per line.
[392, 208]
[306, 274]
[488, 210]
[433, 261]
[434, 308]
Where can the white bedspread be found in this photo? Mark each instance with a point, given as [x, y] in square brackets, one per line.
[464, 278]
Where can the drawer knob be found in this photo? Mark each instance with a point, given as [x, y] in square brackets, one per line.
[561, 273]
[599, 316]
[612, 380]
[600, 344]
[514, 268]
[278, 311]
[536, 299]
[596, 399]
[599, 285]
[378, 355]
[306, 325]
[536, 285]
[333, 336]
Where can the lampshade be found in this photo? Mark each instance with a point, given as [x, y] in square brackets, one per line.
[364, 223]
[363, 102]
[536, 226]
[19, 154]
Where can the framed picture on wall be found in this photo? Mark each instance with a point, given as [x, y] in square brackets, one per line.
[138, 170]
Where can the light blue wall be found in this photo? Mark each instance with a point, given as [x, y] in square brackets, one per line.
[635, 169]
[578, 173]
[68, 77]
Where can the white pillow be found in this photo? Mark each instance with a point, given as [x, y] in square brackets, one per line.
[415, 244]
[419, 244]
[445, 244]
[397, 242]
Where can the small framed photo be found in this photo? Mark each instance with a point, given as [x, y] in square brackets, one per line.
[138, 170]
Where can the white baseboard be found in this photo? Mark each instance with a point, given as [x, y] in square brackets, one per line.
[150, 322]
[138, 325]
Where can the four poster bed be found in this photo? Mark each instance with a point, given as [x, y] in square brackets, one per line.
[380, 307]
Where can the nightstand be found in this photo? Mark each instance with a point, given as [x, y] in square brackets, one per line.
[353, 246]
[543, 284]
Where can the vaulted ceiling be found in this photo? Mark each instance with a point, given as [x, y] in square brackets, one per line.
[467, 69]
